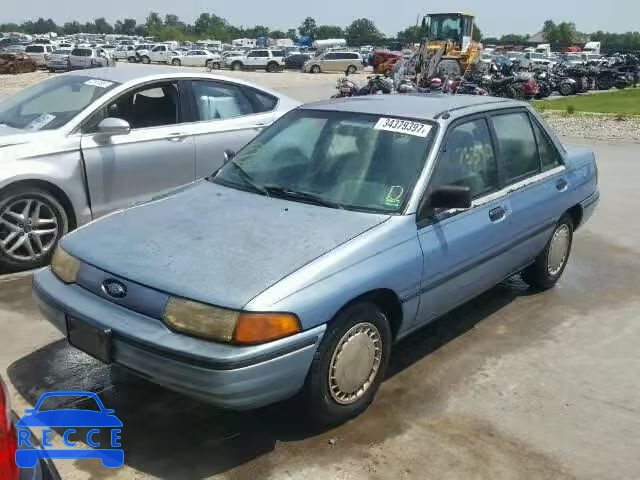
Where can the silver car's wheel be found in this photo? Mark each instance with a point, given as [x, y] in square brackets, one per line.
[31, 223]
[558, 249]
[355, 363]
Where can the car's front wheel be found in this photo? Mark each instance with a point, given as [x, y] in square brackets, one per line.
[548, 267]
[349, 365]
[176, 62]
[32, 221]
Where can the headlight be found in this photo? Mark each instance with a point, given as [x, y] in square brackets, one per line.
[229, 326]
[65, 266]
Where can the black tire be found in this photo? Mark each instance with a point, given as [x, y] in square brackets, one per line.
[176, 62]
[236, 66]
[538, 274]
[51, 70]
[146, 60]
[315, 69]
[448, 68]
[324, 410]
[272, 67]
[215, 66]
[351, 69]
[566, 89]
[16, 194]
[132, 60]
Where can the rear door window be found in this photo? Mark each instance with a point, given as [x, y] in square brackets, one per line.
[549, 156]
[516, 144]
[218, 101]
[34, 49]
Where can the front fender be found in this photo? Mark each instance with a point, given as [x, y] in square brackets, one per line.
[387, 257]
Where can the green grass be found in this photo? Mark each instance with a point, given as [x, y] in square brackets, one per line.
[621, 102]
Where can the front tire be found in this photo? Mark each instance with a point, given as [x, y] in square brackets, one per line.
[146, 60]
[132, 60]
[235, 66]
[351, 70]
[567, 89]
[32, 221]
[548, 267]
[272, 67]
[176, 62]
[315, 69]
[349, 365]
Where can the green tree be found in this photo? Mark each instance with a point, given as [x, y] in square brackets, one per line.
[513, 39]
[129, 26]
[363, 31]
[102, 26]
[9, 27]
[277, 34]
[328, 31]
[292, 34]
[477, 33]
[141, 30]
[550, 32]
[308, 28]
[172, 20]
[153, 23]
[257, 31]
[71, 27]
[412, 34]
[566, 33]
[490, 41]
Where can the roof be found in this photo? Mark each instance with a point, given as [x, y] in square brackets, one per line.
[123, 75]
[419, 106]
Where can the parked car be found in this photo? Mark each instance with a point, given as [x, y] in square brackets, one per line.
[296, 62]
[43, 470]
[59, 59]
[158, 54]
[39, 53]
[350, 62]
[125, 52]
[17, 48]
[82, 58]
[198, 58]
[353, 223]
[85, 143]
[258, 59]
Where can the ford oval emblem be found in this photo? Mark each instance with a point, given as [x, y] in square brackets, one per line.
[114, 288]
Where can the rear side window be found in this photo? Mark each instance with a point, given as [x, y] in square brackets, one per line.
[517, 150]
[549, 156]
[81, 52]
[34, 49]
[468, 160]
[217, 101]
[262, 102]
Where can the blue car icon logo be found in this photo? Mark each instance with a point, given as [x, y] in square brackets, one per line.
[66, 421]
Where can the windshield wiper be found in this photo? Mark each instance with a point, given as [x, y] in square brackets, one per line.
[246, 178]
[304, 196]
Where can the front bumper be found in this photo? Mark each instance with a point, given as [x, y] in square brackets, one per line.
[234, 377]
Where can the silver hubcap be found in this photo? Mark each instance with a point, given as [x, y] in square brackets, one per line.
[558, 250]
[28, 229]
[355, 363]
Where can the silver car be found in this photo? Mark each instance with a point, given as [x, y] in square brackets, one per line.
[82, 144]
[86, 57]
[59, 59]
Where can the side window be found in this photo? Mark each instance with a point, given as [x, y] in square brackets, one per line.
[330, 56]
[517, 151]
[151, 106]
[468, 160]
[262, 102]
[217, 101]
[549, 156]
[252, 54]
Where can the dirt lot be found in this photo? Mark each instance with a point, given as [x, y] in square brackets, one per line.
[514, 385]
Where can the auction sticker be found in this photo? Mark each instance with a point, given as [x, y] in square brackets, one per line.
[403, 126]
[40, 121]
[94, 82]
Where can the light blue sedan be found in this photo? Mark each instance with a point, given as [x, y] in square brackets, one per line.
[338, 231]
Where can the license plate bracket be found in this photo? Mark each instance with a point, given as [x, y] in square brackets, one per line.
[92, 340]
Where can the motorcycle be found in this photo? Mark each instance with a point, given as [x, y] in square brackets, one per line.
[346, 88]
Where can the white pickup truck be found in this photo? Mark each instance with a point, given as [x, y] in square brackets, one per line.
[157, 54]
[258, 59]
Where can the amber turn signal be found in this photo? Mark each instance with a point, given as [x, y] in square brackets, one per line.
[254, 328]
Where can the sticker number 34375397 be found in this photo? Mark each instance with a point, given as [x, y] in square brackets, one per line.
[403, 126]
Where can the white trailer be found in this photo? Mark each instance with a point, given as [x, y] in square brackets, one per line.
[329, 43]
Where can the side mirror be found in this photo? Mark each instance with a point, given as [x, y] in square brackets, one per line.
[113, 126]
[228, 155]
[445, 197]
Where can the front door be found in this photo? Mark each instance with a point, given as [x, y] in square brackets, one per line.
[230, 116]
[463, 251]
[155, 157]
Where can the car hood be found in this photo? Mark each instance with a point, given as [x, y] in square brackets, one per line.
[215, 244]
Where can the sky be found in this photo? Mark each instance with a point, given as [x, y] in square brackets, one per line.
[495, 17]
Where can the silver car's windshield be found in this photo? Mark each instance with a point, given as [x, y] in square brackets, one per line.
[51, 104]
[335, 159]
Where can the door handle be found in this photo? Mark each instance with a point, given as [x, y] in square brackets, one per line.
[497, 214]
[176, 137]
[562, 185]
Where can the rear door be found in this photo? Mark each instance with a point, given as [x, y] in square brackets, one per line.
[228, 116]
[532, 170]
[158, 154]
[464, 250]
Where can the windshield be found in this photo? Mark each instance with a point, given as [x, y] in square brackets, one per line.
[51, 104]
[445, 28]
[538, 55]
[341, 160]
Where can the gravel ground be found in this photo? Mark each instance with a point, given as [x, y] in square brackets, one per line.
[306, 87]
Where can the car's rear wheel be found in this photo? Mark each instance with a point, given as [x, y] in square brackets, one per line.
[132, 59]
[32, 221]
[176, 62]
[349, 365]
[146, 60]
[351, 69]
[215, 66]
[236, 66]
[550, 264]
[272, 67]
[315, 69]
